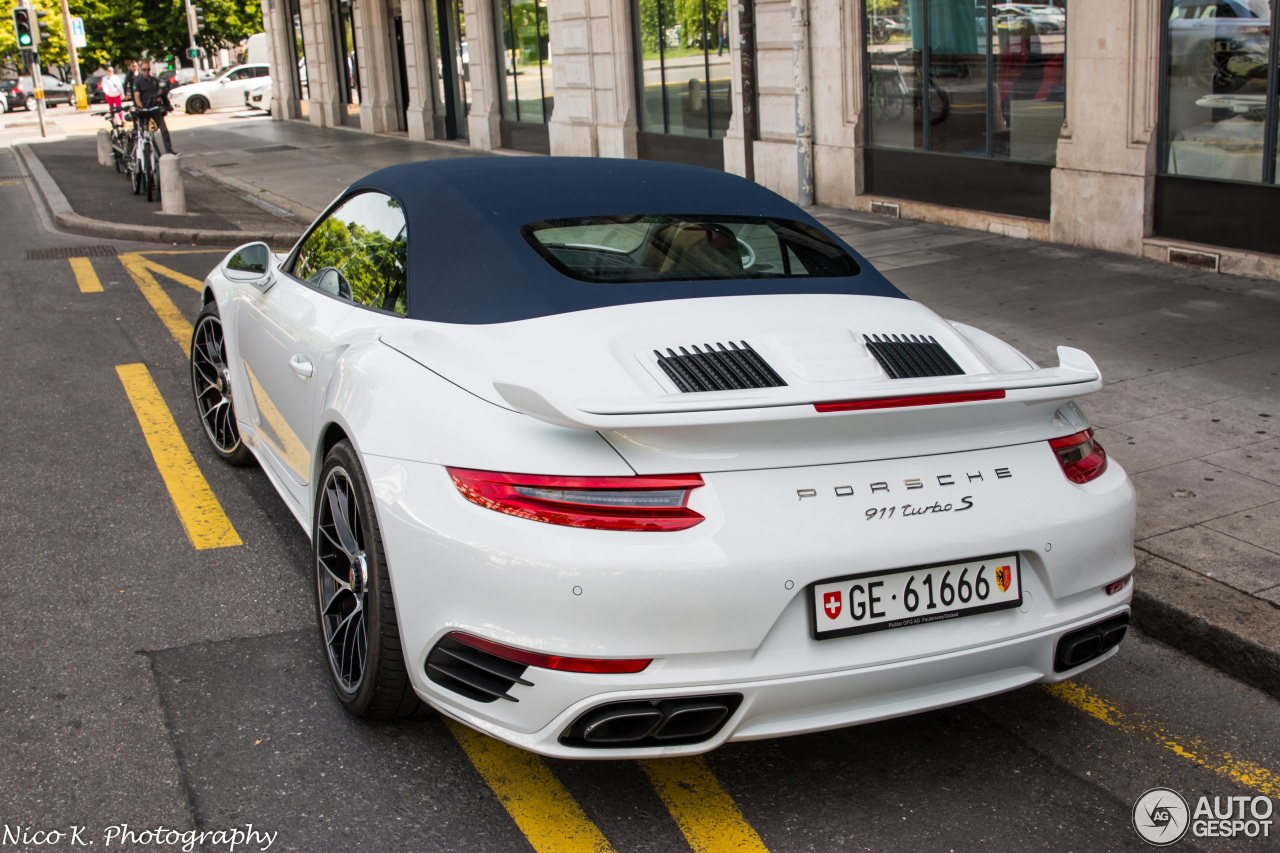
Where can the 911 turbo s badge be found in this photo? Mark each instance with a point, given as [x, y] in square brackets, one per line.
[1004, 577]
[831, 604]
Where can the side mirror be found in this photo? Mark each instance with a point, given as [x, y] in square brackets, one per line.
[252, 263]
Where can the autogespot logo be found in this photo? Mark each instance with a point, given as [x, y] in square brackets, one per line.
[1161, 816]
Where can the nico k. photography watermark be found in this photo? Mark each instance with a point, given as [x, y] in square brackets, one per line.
[124, 835]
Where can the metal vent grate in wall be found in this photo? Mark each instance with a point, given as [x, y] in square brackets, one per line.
[718, 368]
[911, 356]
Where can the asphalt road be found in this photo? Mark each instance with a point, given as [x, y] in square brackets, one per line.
[146, 682]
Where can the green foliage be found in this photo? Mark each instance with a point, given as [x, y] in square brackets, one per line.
[119, 30]
[688, 15]
[892, 8]
[373, 264]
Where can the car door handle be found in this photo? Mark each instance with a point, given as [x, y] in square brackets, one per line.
[299, 365]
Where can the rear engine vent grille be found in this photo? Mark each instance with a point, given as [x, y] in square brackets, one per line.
[911, 356]
[475, 674]
[718, 368]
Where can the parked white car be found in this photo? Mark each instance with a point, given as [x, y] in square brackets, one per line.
[225, 90]
[258, 96]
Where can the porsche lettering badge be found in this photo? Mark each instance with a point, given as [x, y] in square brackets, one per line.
[910, 484]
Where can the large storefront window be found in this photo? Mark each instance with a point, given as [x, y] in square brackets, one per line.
[1219, 112]
[453, 67]
[684, 77]
[300, 88]
[996, 77]
[348, 60]
[985, 84]
[526, 61]
[1220, 57]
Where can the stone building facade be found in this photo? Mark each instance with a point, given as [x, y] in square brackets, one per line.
[1147, 127]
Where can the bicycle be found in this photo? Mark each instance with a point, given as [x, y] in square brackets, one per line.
[890, 93]
[119, 136]
[144, 159]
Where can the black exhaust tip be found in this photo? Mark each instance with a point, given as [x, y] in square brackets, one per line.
[652, 722]
[1083, 645]
[690, 719]
[618, 724]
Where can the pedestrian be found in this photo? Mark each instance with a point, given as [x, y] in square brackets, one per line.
[722, 32]
[129, 78]
[111, 88]
[149, 95]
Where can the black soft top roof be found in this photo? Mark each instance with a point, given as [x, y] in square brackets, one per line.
[468, 262]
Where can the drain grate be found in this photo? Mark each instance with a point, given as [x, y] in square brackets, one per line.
[60, 252]
[10, 177]
[269, 148]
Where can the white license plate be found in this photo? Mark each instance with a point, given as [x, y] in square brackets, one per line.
[913, 596]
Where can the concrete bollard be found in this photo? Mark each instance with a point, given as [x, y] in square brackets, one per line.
[104, 148]
[173, 199]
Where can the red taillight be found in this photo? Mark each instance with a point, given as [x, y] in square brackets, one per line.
[601, 503]
[551, 661]
[903, 402]
[1081, 457]
[1115, 586]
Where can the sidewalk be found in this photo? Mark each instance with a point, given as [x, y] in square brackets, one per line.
[1191, 407]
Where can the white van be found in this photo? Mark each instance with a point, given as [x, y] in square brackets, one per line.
[256, 50]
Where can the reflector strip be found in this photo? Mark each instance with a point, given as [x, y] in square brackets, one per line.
[904, 402]
[552, 661]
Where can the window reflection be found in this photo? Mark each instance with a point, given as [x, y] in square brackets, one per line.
[526, 61]
[1217, 104]
[359, 252]
[684, 74]
[995, 77]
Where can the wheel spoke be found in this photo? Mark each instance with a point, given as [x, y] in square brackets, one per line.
[347, 540]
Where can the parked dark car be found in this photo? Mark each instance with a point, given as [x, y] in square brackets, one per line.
[20, 94]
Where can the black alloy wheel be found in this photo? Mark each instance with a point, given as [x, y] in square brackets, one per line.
[196, 105]
[354, 605]
[211, 387]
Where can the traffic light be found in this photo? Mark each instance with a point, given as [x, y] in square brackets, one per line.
[197, 17]
[28, 36]
[42, 29]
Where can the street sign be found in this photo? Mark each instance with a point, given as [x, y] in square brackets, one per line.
[77, 32]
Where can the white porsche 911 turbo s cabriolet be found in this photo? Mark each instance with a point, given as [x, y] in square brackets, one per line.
[614, 458]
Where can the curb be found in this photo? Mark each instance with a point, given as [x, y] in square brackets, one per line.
[66, 219]
[1227, 629]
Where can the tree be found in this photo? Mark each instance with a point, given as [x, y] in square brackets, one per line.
[119, 30]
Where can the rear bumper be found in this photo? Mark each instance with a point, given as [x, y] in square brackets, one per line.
[799, 705]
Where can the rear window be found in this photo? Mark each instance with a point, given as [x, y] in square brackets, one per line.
[676, 247]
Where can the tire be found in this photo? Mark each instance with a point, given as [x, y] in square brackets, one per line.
[30, 103]
[4, 103]
[196, 105]
[211, 389]
[135, 176]
[153, 188]
[355, 610]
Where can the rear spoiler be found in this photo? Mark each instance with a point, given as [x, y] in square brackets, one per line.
[1075, 375]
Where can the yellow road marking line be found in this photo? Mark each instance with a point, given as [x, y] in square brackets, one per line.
[707, 815]
[85, 276]
[1243, 772]
[202, 517]
[546, 813]
[168, 313]
[194, 283]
